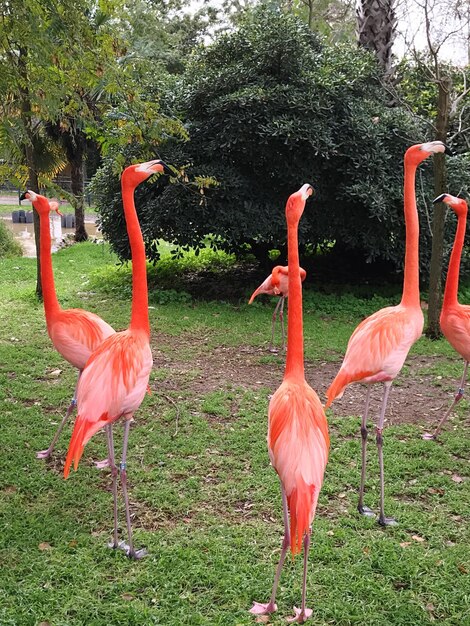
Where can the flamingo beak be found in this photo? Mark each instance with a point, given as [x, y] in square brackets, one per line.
[23, 196]
[448, 151]
[439, 198]
[58, 212]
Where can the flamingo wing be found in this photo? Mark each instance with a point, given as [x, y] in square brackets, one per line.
[298, 445]
[455, 324]
[112, 384]
[76, 334]
[378, 348]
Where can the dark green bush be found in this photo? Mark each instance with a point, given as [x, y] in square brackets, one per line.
[268, 108]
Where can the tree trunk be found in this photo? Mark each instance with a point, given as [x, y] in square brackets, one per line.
[33, 183]
[376, 28]
[438, 221]
[78, 190]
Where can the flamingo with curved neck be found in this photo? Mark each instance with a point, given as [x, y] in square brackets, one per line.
[298, 440]
[74, 333]
[277, 284]
[455, 317]
[380, 344]
[115, 379]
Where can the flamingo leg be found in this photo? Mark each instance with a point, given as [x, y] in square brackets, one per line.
[302, 614]
[458, 397]
[281, 319]
[259, 608]
[45, 454]
[364, 510]
[383, 521]
[114, 475]
[130, 551]
[271, 344]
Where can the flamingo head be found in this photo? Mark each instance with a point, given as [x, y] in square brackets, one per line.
[456, 203]
[296, 203]
[137, 173]
[421, 151]
[42, 205]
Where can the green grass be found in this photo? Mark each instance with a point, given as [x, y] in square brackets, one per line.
[206, 502]
[6, 209]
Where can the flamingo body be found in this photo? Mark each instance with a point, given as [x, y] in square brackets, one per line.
[277, 283]
[378, 348]
[298, 439]
[76, 334]
[380, 344]
[115, 378]
[112, 385]
[455, 317]
[298, 445]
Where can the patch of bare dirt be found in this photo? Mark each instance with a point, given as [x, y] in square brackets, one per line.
[414, 398]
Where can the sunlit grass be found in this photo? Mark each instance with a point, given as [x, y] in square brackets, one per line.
[205, 500]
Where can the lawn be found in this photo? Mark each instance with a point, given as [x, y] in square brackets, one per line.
[205, 501]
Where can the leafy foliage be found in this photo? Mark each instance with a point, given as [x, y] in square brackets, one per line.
[267, 108]
[9, 247]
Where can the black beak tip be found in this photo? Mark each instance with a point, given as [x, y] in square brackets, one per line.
[23, 196]
[448, 151]
[167, 170]
[439, 198]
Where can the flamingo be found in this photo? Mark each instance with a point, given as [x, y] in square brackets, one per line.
[298, 439]
[115, 378]
[380, 344]
[455, 317]
[74, 333]
[277, 284]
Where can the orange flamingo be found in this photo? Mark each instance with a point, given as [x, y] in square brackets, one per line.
[298, 439]
[277, 284]
[455, 317]
[115, 378]
[380, 344]
[75, 333]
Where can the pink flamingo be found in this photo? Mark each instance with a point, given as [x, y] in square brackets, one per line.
[455, 317]
[277, 284]
[75, 333]
[298, 439]
[115, 378]
[380, 344]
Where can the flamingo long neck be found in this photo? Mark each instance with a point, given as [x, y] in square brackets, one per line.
[139, 311]
[452, 282]
[295, 335]
[51, 304]
[410, 295]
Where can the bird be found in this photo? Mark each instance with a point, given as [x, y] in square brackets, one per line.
[455, 317]
[115, 379]
[380, 344]
[277, 284]
[298, 440]
[74, 333]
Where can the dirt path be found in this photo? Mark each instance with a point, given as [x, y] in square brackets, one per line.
[414, 398]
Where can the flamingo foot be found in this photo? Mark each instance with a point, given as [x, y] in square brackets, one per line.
[300, 616]
[102, 464]
[132, 554]
[387, 521]
[428, 437]
[263, 609]
[44, 454]
[273, 350]
[364, 510]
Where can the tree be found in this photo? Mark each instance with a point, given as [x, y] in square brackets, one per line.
[376, 27]
[265, 107]
[449, 119]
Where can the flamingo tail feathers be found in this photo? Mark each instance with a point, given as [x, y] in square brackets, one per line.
[337, 387]
[300, 502]
[82, 433]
